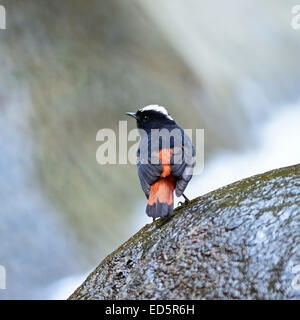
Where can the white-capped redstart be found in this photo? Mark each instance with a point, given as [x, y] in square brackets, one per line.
[165, 159]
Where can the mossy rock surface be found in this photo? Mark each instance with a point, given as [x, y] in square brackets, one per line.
[241, 241]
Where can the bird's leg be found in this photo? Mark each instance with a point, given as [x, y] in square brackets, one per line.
[186, 200]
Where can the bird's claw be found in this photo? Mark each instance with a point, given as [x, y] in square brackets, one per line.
[186, 200]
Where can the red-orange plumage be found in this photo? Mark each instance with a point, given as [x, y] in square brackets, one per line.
[162, 189]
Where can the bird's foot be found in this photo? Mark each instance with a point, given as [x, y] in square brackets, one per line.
[186, 200]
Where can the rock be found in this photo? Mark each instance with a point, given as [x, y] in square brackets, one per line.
[241, 241]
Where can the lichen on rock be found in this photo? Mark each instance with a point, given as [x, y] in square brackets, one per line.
[241, 241]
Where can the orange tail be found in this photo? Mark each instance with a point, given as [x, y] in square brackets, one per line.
[160, 202]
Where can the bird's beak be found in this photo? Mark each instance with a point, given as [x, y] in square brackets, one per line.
[131, 114]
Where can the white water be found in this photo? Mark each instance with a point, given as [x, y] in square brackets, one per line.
[63, 288]
[279, 146]
[32, 240]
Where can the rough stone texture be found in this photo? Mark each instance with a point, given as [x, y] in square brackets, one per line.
[239, 242]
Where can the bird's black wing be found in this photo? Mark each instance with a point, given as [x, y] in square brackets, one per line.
[149, 169]
[182, 164]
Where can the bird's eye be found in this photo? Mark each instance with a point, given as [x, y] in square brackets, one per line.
[145, 118]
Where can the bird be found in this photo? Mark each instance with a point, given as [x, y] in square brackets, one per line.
[165, 159]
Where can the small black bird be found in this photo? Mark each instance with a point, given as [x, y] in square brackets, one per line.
[166, 158]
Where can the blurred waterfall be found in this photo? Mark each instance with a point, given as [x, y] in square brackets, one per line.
[235, 48]
[34, 247]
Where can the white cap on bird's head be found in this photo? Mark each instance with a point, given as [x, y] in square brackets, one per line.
[152, 116]
[156, 108]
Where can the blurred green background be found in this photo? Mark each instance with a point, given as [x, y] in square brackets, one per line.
[71, 67]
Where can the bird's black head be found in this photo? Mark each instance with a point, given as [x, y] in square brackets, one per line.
[152, 117]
